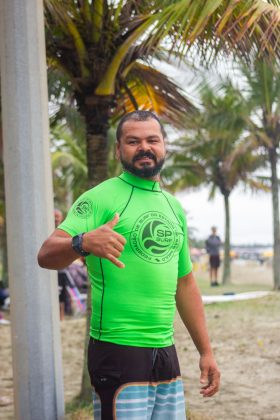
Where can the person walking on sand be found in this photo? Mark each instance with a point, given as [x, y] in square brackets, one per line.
[213, 244]
[134, 237]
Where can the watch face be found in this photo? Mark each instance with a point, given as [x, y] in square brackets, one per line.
[76, 244]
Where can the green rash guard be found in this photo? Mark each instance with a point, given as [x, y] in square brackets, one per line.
[135, 305]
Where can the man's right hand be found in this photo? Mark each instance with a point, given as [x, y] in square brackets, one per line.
[104, 242]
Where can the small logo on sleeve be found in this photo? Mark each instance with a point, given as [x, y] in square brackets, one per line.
[154, 238]
[83, 209]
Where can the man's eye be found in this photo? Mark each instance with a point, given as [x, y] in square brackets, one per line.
[132, 142]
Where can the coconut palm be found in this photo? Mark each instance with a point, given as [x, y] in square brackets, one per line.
[262, 98]
[82, 41]
[104, 49]
[219, 151]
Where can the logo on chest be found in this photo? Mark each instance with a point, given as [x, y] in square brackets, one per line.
[154, 238]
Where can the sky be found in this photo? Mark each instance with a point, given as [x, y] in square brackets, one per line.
[251, 215]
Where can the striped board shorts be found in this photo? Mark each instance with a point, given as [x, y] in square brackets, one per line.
[135, 383]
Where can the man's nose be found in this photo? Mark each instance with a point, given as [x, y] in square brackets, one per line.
[144, 146]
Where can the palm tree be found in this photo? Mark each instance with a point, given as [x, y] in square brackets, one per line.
[219, 151]
[262, 97]
[104, 48]
[83, 39]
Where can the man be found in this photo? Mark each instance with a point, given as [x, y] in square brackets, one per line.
[213, 249]
[134, 237]
[58, 217]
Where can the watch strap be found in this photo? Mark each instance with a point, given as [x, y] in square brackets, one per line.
[77, 245]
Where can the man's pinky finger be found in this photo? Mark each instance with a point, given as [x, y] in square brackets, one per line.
[115, 261]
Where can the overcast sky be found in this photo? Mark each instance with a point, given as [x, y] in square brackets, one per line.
[251, 215]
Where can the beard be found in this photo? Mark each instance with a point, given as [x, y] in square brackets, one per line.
[146, 171]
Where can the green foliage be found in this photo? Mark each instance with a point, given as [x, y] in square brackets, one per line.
[79, 410]
[262, 97]
[85, 41]
[68, 163]
[215, 150]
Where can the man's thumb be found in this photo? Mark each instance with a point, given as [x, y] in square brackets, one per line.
[203, 377]
[112, 223]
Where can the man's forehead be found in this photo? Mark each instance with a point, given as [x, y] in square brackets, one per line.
[136, 127]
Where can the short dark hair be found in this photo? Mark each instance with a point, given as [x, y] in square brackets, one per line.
[138, 115]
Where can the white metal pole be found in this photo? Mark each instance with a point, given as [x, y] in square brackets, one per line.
[37, 366]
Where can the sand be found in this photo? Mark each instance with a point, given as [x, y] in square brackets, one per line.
[246, 341]
[246, 346]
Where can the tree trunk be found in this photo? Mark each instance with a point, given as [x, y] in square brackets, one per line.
[226, 271]
[96, 111]
[275, 206]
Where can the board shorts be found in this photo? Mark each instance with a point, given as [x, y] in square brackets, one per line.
[135, 383]
[214, 261]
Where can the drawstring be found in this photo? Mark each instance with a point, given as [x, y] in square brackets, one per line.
[155, 352]
[158, 352]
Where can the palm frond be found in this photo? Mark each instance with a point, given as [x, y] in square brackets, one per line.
[257, 185]
[97, 19]
[152, 90]
[63, 16]
[66, 159]
[248, 28]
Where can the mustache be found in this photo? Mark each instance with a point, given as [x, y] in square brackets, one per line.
[141, 155]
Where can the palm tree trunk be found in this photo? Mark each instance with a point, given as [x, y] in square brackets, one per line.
[275, 208]
[97, 158]
[226, 271]
[96, 112]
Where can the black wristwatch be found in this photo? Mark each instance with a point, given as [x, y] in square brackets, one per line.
[77, 242]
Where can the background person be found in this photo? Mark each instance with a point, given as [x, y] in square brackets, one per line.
[63, 297]
[4, 297]
[213, 244]
[134, 237]
[58, 217]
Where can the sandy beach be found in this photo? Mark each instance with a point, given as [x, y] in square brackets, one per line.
[245, 338]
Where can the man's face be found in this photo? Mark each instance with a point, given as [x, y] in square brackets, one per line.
[58, 217]
[141, 148]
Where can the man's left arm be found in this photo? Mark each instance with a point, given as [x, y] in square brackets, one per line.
[190, 308]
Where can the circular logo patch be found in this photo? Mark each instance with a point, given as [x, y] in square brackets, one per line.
[83, 208]
[154, 238]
